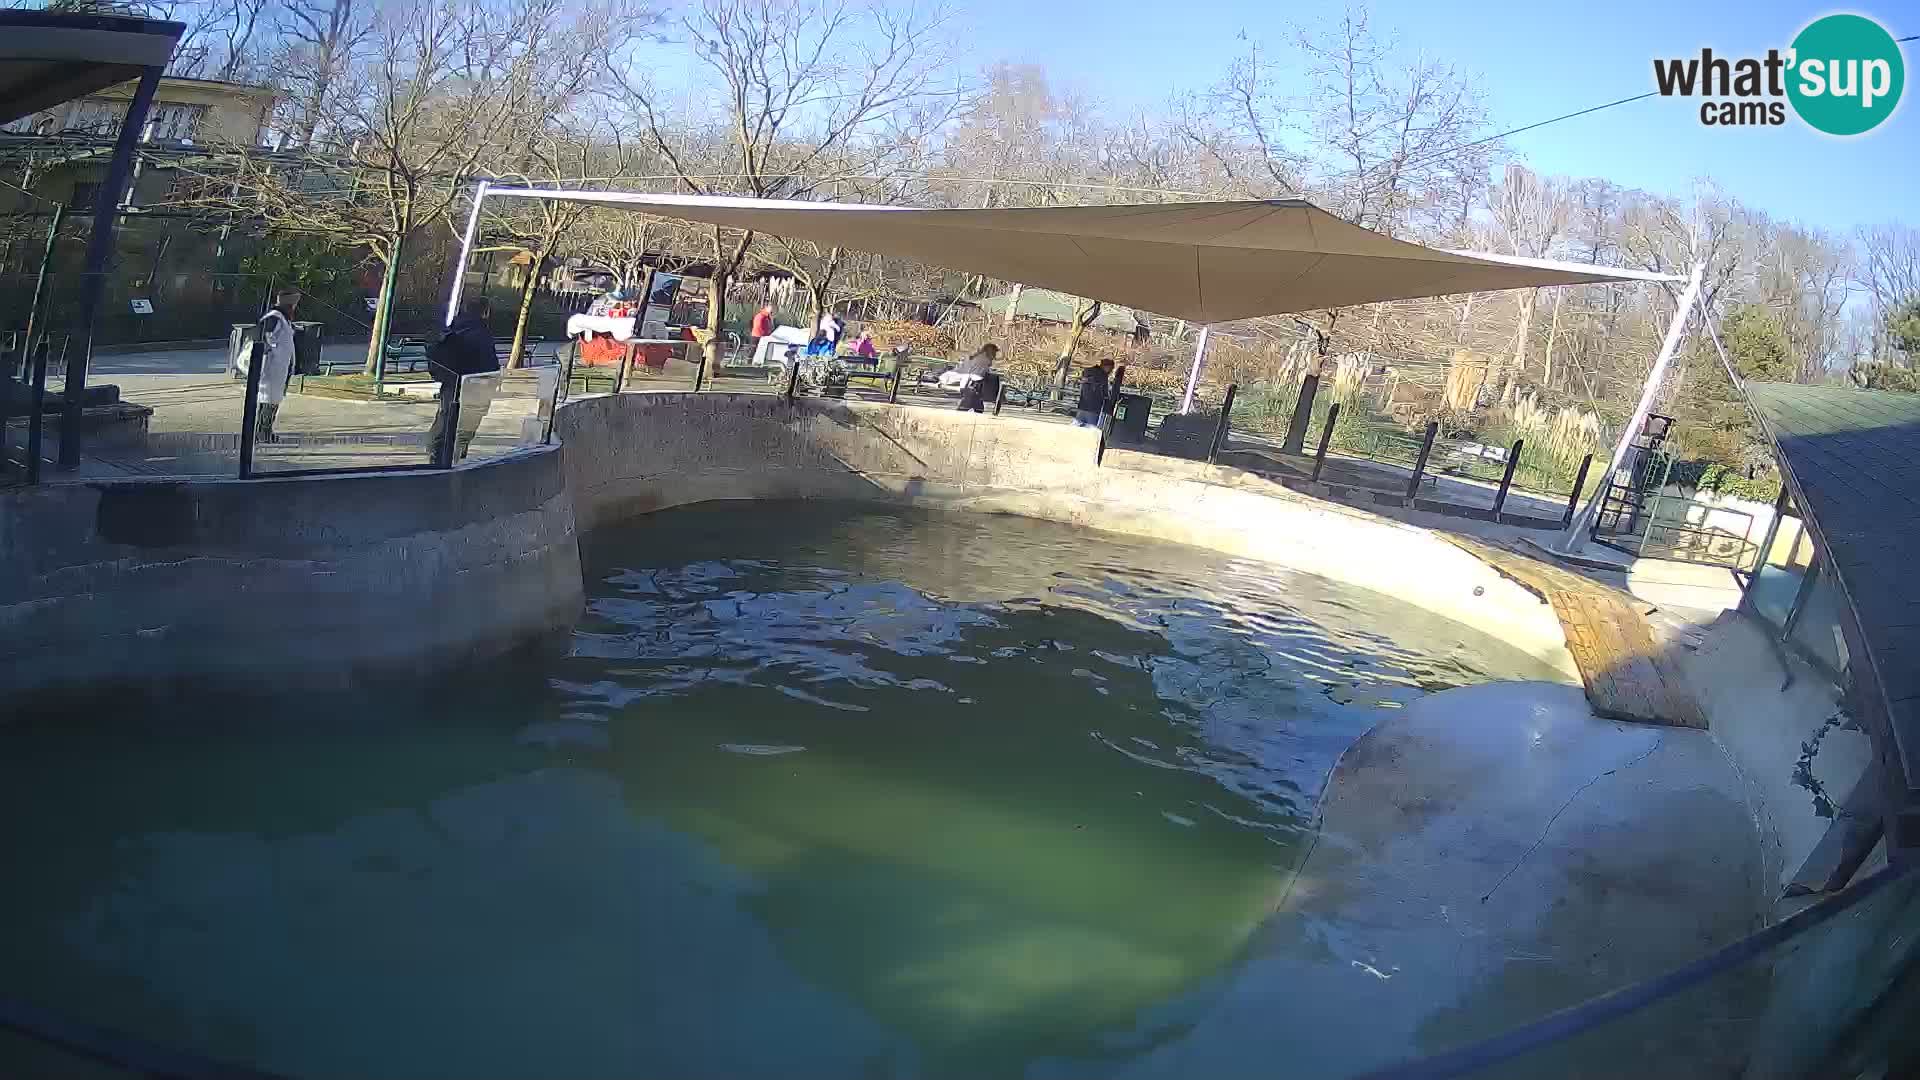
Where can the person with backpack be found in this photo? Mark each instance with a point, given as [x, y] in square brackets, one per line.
[276, 361]
[464, 348]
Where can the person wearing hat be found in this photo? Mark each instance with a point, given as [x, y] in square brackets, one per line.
[276, 363]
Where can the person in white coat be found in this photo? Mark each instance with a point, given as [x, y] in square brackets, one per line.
[276, 364]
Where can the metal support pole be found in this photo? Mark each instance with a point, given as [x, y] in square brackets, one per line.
[1800, 596]
[1506, 478]
[699, 372]
[999, 398]
[466, 252]
[250, 404]
[1302, 415]
[1220, 428]
[1420, 462]
[646, 297]
[793, 380]
[893, 388]
[1326, 436]
[1193, 374]
[35, 321]
[1676, 330]
[37, 420]
[1766, 543]
[93, 281]
[1573, 500]
[441, 453]
[620, 369]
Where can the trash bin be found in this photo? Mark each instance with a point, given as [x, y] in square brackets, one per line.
[306, 348]
[1130, 418]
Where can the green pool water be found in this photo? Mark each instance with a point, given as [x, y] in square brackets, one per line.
[816, 790]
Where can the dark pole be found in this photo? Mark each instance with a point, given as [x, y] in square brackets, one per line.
[36, 421]
[93, 281]
[646, 294]
[1420, 462]
[699, 371]
[1302, 416]
[893, 388]
[1766, 541]
[999, 398]
[1220, 428]
[34, 327]
[1506, 479]
[442, 451]
[251, 403]
[620, 371]
[793, 378]
[1579, 482]
[1326, 436]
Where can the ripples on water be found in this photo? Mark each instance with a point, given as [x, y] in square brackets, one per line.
[817, 790]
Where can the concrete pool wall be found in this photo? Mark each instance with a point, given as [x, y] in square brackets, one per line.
[313, 580]
[307, 580]
[636, 453]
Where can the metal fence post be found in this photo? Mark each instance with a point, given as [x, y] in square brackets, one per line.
[1220, 427]
[37, 420]
[1579, 482]
[999, 398]
[1420, 462]
[893, 388]
[620, 372]
[442, 451]
[1506, 479]
[793, 379]
[1326, 436]
[250, 404]
[699, 372]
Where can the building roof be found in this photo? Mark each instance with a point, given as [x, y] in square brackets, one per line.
[1851, 459]
[50, 57]
[1205, 262]
[1050, 306]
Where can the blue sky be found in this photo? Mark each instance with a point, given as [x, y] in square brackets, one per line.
[1536, 60]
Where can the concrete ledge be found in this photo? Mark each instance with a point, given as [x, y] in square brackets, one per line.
[301, 581]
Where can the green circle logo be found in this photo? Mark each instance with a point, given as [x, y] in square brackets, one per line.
[1846, 74]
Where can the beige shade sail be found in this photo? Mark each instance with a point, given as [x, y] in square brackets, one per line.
[1209, 262]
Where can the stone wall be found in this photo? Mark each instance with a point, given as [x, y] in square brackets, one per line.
[636, 453]
[297, 581]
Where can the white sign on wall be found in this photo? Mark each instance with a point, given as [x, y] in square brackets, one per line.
[143, 307]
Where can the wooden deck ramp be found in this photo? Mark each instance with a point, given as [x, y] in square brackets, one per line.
[1628, 675]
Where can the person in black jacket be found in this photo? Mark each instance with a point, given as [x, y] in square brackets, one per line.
[464, 348]
[1094, 384]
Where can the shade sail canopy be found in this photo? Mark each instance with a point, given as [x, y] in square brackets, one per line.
[1205, 262]
[50, 57]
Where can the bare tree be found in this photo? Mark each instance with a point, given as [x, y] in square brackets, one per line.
[413, 116]
[322, 42]
[795, 115]
[1530, 214]
[1889, 270]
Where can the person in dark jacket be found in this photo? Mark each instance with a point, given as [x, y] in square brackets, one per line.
[464, 348]
[1094, 384]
